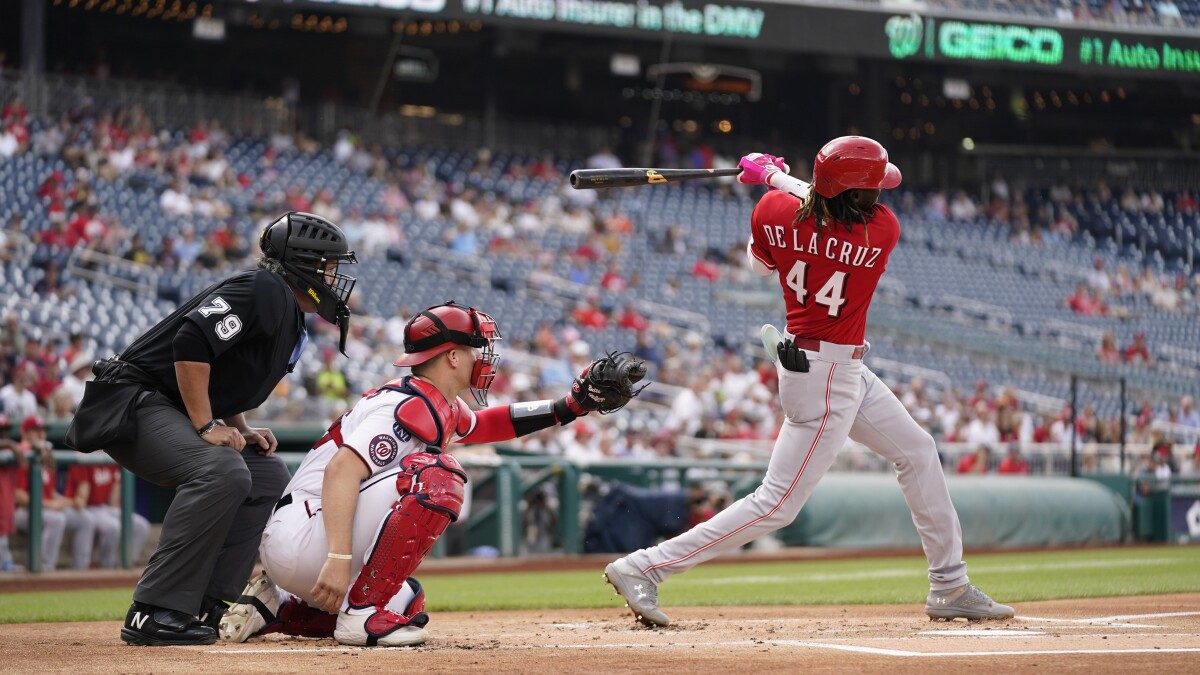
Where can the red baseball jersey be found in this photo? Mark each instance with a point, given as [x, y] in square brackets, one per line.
[827, 280]
[47, 481]
[102, 479]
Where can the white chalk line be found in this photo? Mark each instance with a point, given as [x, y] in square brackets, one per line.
[904, 653]
[862, 649]
[1111, 619]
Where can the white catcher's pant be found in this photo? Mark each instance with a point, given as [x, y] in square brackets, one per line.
[838, 397]
[294, 546]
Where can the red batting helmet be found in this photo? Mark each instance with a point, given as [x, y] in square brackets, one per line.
[439, 329]
[853, 162]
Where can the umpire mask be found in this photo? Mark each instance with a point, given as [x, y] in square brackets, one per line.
[311, 251]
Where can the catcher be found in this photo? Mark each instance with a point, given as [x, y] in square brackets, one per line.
[379, 488]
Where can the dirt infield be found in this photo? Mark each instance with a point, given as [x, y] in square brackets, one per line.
[1149, 634]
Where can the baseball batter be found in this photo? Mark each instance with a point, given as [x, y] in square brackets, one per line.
[375, 493]
[829, 245]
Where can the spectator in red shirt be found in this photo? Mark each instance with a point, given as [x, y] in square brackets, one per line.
[612, 279]
[1086, 302]
[56, 236]
[981, 396]
[14, 110]
[630, 319]
[976, 462]
[588, 315]
[1014, 463]
[98, 489]
[53, 187]
[1186, 202]
[8, 487]
[706, 269]
[1137, 352]
[49, 381]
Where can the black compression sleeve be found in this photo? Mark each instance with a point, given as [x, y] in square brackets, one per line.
[190, 345]
[537, 415]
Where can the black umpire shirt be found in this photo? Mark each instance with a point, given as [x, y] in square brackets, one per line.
[253, 326]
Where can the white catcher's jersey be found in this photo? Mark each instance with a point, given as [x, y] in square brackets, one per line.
[375, 431]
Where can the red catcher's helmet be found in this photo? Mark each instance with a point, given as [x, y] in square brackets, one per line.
[439, 329]
[853, 162]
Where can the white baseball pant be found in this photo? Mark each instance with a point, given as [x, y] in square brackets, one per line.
[55, 524]
[838, 398]
[294, 546]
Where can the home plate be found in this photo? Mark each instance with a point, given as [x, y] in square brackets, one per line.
[982, 633]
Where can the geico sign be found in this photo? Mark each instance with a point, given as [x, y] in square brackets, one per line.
[994, 42]
[415, 5]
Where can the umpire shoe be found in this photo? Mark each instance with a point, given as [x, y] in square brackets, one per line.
[640, 593]
[257, 607]
[965, 602]
[211, 611]
[158, 627]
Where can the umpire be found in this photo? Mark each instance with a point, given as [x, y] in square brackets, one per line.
[197, 372]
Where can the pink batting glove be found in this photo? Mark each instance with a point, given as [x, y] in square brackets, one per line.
[757, 168]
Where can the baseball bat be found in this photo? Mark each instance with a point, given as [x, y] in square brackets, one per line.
[591, 179]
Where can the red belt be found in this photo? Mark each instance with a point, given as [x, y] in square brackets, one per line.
[815, 346]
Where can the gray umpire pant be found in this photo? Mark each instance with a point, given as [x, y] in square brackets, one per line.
[223, 499]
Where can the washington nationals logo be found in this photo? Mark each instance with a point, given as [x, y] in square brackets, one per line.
[383, 449]
[904, 35]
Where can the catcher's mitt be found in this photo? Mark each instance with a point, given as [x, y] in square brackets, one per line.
[608, 383]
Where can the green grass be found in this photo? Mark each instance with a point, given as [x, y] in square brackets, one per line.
[1008, 577]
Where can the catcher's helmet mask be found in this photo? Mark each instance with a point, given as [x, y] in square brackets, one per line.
[306, 245]
[853, 162]
[429, 334]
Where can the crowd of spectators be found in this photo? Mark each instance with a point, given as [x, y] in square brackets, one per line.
[720, 398]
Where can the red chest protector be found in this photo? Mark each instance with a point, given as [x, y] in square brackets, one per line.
[428, 416]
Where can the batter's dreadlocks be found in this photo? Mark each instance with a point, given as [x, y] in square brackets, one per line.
[827, 212]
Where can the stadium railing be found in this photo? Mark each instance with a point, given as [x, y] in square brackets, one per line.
[503, 480]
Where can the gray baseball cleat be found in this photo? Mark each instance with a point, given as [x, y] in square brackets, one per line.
[640, 593]
[966, 602]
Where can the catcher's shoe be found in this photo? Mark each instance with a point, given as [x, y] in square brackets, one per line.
[381, 628]
[965, 602]
[385, 628]
[255, 609]
[640, 593]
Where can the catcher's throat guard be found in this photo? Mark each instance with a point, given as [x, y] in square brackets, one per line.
[431, 497]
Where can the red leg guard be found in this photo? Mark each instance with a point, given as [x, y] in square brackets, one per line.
[431, 495]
